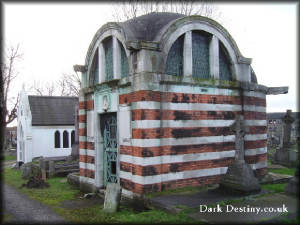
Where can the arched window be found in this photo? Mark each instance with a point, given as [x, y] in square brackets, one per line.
[72, 137]
[224, 64]
[174, 65]
[57, 139]
[200, 52]
[95, 69]
[107, 45]
[124, 62]
[65, 139]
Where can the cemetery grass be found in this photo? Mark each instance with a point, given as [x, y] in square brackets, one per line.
[60, 191]
[10, 157]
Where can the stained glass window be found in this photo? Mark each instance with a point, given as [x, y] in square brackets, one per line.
[174, 65]
[200, 51]
[224, 64]
[107, 44]
[124, 62]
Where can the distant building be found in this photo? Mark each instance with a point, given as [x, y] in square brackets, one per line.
[275, 128]
[11, 136]
[159, 94]
[45, 126]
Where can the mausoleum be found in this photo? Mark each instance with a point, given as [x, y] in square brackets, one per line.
[159, 94]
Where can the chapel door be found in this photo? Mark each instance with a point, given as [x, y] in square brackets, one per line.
[109, 132]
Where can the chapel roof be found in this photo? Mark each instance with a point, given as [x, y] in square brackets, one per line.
[52, 110]
[146, 27]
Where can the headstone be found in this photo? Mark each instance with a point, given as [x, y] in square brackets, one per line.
[282, 154]
[112, 198]
[51, 168]
[26, 170]
[240, 176]
[293, 186]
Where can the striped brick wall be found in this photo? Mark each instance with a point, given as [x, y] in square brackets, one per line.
[86, 148]
[181, 139]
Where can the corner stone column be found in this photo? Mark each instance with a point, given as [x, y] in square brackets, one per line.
[116, 59]
[187, 54]
[101, 64]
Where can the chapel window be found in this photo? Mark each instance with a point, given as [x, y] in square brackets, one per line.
[65, 139]
[224, 64]
[174, 65]
[124, 62]
[95, 69]
[72, 137]
[200, 52]
[107, 44]
[57, 139]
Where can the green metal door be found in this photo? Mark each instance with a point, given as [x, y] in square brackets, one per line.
[109, 125]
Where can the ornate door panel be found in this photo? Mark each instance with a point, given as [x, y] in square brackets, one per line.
[109, 133]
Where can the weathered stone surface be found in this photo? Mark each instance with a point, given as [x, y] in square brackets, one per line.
[73, 179]
[30, 170]
[293, 186]
[274, 178]
[240, 178]
[112, 198]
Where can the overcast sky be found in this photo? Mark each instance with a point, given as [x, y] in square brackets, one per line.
[54, 37]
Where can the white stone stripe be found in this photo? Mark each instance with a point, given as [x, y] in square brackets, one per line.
[181, 141]
[157, 160]
[82, 138]
[82, 112]
[184, 106]
[259, 165]
[81, 125]
[180, 123]
[254, 137]
[181, 175]
[256, 151]
[143, 124]
[256, 122]
[187, 89]
[254, 94]
[88, 166]
[87, 152]
[254, 108]
[81, 98]
[87, 180]
[127, 193]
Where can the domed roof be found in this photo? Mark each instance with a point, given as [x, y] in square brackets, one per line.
[146, 27]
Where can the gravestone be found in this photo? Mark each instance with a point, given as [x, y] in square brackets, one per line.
[240, 176]
[282, 154]
[112, 197]
[293, 186]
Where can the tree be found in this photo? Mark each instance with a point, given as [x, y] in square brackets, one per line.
[134, 8]
[8, 74]
[67, 85]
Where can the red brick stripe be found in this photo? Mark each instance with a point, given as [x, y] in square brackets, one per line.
[167, 132]
[178, 98]
[250, 100]
[87, 173]
[90, 105]
[255, 115]
[174, 167]
[156, 114]
[82, 132]
[261, 172]
[86, 145]
[179, 132]
[82, 118]
[87, 159]
[252, 159]
[82, 105]
[143, 189]
[176, 149]
[255, 144]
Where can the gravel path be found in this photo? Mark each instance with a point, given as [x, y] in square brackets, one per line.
[25, 210]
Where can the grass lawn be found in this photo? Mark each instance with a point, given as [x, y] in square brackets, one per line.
[10, 157]
[60, 191]
[287, 171]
